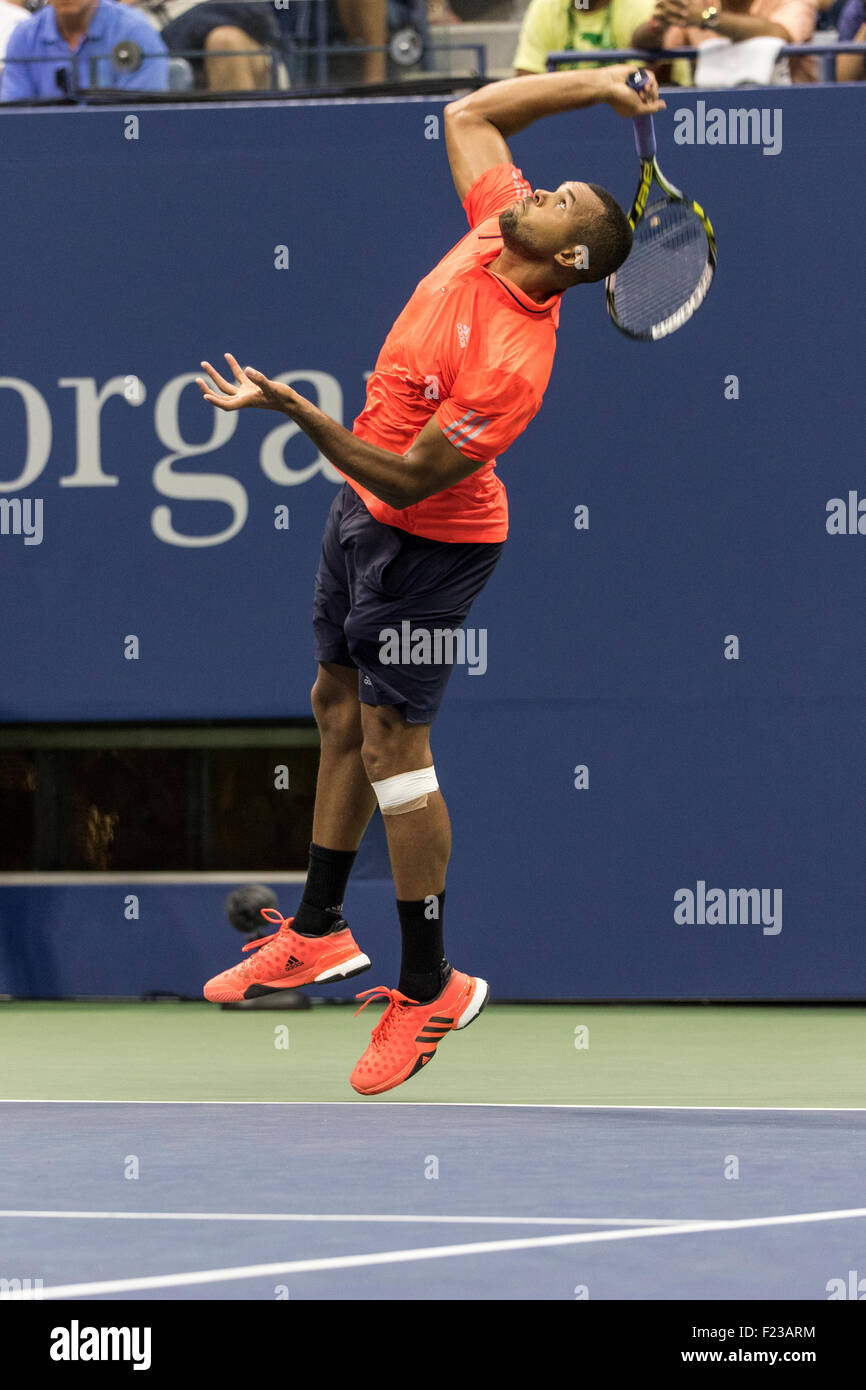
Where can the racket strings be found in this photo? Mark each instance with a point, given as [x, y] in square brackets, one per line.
[667, 268]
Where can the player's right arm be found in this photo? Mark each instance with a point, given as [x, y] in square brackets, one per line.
[478, 126]
[432, 464]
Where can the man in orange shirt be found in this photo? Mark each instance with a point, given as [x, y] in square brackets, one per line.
[412, 538]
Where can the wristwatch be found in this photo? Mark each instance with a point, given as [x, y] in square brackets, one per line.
[710, 17]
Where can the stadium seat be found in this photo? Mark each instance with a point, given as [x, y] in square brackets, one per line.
[180, 77]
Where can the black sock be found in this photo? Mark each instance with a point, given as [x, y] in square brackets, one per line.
[322, 903]
[423, 969]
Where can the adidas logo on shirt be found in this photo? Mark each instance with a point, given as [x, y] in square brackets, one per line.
[466, 428]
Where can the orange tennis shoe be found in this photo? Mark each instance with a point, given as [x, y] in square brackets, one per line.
[408, 1033]
[287, 960]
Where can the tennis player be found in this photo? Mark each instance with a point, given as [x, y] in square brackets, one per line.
[415, 534]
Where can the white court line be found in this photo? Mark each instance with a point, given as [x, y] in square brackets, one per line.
[83, 877]
[430, 1252]
[348, 1216]
[462, 1105]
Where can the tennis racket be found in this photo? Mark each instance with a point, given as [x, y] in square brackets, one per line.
[668, 272]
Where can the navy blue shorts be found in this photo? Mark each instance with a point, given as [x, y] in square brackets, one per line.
[393, 605]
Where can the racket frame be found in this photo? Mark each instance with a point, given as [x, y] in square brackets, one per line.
[645, 144]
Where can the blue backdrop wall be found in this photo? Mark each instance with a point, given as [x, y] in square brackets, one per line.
[672, 711]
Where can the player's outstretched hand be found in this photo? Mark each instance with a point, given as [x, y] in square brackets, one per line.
[624, 99]
[250, 388]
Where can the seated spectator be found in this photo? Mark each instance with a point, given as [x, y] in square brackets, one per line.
[552, 26]
[12, 12]
[440, 12]
[363, 23]
[689, 23]
[851, 67]
[828, 15]
[73, 32]
[366, 22]
[228, 36]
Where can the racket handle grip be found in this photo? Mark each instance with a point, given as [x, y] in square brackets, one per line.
[644, 130]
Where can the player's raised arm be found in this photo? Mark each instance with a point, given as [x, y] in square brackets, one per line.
[478, 125]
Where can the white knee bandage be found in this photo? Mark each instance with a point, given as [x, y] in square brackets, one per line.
[408, 791]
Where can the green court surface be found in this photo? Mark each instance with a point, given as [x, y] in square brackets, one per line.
[653, 1055]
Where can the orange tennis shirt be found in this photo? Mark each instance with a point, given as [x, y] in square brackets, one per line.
[473, 350]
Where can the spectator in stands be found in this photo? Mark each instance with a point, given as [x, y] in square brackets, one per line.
[228, 36]
[689, 23]
[12, 12]
[440, 12]
[366, 22]
[362, 22]
[72, 32]
[551, 26]
[828, 15]
[851, 67]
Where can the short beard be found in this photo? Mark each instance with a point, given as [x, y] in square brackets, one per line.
[508, 222]
[515, 238]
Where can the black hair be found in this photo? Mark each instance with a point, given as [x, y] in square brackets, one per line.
[609, 237]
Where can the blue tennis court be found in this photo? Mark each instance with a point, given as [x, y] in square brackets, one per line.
[429, 1201]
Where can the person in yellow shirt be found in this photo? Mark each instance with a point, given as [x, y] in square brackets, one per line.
[553, 26]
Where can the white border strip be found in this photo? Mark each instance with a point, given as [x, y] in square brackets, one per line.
[429, 1252]
[350, 1217]
[468, 1105]
[85, 879]
[285, 102]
